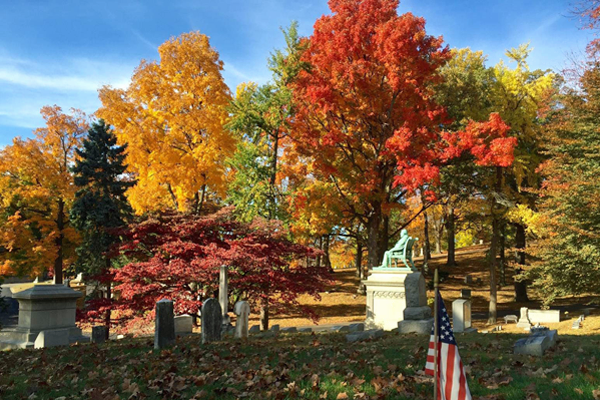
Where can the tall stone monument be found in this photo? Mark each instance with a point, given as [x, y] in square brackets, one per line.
[46, 319]
[224, 293]
[397, 293]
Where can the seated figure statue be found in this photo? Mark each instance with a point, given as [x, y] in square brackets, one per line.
[402, 250]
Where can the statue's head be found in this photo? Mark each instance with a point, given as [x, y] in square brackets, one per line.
[403, 233]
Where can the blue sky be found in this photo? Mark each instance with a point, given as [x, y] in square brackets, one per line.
[61, 52]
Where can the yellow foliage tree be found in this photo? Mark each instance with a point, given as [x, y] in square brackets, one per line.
[171, 117]
[36, 191]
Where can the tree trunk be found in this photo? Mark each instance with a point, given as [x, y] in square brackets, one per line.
[492, 316]
[521, 286]
[60, 225]
[503, 254]
[326, 259]
[426, 244]
[264, 315]
[107, 314]
[451, 230]
[358, 260]
[374, 223]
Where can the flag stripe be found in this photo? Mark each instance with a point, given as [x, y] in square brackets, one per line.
[451, 378]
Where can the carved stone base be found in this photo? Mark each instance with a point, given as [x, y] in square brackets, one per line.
[389, 292]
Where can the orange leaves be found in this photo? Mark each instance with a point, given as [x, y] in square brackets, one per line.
[35, 180]
[172, 118]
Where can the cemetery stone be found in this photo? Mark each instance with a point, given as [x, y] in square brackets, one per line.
[305, 330]
[512, 318]
[468, 279]
[534, 345]
[184, 324]
[44, 308]
[542, 316]
[417, 314]
[524, 320]
[465, 293]
[275, 328]
[212, 320]
[164, 324]
[461, 316]
[254, 329]
[52, 338]
[290, 329]
[98, 334]
[356, 327]
[242, 310]
[224, 293]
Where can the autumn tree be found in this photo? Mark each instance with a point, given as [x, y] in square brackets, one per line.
[178, 256]
[100, 206]
[172, 116]
[366, 116]
[37, 191]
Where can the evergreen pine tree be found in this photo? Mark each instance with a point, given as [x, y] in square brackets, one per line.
[100, 206]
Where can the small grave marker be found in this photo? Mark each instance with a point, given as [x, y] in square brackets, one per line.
[212, 321]
[164, 324]
[242, 310]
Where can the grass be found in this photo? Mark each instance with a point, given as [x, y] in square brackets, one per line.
[293, 366]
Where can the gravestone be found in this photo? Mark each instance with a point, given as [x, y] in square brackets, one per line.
[461, 316]
[417, 315]
[212, 321]
[524, 320]
[44, 308]
[184, 324]
[254, 329]
[356, 327]
[289, 329]
[242, 310]
[305, 330]
[534, 345]
[164, 324]
[98, 334]
[468, 279]
[465, 293]
[543, 316]
[364, 335]
[224, 293]
[274, 328]
[52, 338]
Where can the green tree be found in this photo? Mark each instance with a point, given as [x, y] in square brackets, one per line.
[568, 221]
[100, 206]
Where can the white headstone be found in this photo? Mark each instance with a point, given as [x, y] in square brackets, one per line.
[461, 315]
[524, 319]
[184, 324]
[224, 292]
[242, 310]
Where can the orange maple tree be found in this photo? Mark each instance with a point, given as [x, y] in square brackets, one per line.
[36, 189]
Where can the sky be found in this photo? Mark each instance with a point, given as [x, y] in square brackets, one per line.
[61, 52]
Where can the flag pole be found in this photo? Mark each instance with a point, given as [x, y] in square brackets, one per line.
[435, 334]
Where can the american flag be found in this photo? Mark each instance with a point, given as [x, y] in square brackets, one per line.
[452, 382]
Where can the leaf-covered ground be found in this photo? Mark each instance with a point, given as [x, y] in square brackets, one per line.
[297, 366]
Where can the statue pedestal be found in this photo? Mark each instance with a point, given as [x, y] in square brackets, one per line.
[394, 295]
[46, 318]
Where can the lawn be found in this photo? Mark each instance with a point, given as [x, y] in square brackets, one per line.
[297, 366]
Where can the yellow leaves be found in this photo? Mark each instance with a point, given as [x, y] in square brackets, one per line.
[172, 118]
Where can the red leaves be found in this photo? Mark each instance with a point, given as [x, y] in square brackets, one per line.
[178, 256]
[486, 141]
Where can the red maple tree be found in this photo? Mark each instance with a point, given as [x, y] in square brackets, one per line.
[366, 115]
[178, 256]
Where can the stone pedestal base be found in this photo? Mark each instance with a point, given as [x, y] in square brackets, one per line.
[46, 319]
[395, 294]
[422, 327]
[386, 298]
